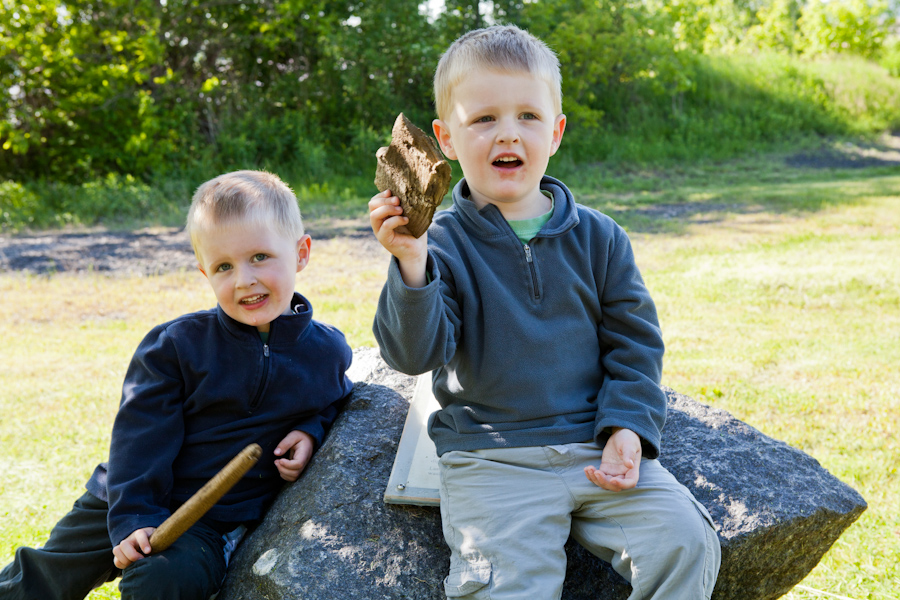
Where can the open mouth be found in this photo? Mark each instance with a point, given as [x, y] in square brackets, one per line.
[507, 162]
[252, 300]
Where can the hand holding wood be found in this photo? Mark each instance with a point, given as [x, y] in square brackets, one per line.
[197, 505]
[414, 170]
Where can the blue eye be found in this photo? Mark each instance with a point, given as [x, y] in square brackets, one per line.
[223, 267]
[260, 257]
[529, 116]
[484, 119]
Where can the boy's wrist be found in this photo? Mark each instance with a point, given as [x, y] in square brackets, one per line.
[413, 269]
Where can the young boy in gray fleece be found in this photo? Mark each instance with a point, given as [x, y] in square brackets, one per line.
[545, 351]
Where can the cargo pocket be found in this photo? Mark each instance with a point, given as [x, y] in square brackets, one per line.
[713, 558]
[703, 512]
[466, 578]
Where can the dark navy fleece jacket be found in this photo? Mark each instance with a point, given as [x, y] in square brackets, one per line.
[198, 390]
[553, 342]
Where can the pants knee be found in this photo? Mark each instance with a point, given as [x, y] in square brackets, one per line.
[701, 553]
[168, 576]
[155, 578]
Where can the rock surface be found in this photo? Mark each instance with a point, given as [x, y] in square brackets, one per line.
[330, 535]
[414, 170]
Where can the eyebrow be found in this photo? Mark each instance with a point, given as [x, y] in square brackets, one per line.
[483, 106]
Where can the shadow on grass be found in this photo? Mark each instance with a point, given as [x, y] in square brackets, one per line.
[660, 201]
[671, 202]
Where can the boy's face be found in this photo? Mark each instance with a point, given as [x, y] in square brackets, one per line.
[502, 128]
[252, 270]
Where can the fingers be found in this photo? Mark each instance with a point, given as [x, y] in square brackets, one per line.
[142, 540]
[385, 206]
[603, 480]
[614, 482]
[291, 440]
[299, 448]
[133, 548]
[120, 559]
[382, 198]
[386, 215]
[290, 469]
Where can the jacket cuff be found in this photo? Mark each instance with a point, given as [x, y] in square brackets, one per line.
[399, 288]
[650, 438]
[123, 528]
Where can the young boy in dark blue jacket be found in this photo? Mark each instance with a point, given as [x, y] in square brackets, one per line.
[256, 369]
[544, 347]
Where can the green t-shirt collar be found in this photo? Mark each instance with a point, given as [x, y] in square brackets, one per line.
[526, 229]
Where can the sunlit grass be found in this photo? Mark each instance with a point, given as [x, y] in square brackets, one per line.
[779, 299]
[789, 317]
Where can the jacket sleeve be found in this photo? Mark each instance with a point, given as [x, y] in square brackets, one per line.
[417, 328]
[629, 331]
[147, 435]
[336, 387]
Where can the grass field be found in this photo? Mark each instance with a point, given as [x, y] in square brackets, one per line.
[778, 290]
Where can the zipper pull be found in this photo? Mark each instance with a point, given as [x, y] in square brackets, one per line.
[528, 253]
[266, 350]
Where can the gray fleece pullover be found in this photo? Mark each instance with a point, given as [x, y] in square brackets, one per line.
[553, 342]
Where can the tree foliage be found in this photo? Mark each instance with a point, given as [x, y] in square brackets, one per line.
[147, 87]
[79, 76]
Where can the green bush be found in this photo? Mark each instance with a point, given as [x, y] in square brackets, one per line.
[112, 200]
[131, 94]
[890, 57]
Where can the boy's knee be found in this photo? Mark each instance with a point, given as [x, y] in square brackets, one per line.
[192, 569]
[697, 553]
[696, 536]
[159, 578]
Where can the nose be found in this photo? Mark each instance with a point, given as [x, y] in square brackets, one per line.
[508, 132]
[245, 277]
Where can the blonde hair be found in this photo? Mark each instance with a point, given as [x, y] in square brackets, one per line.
[504, 48]
[253, 197]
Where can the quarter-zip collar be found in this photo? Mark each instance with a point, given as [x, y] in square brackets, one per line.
[286, 329]
[488, 222]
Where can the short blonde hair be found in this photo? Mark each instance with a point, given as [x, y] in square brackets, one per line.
[254, 197]
[504, 48]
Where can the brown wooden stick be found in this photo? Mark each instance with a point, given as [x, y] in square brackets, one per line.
[197, 505]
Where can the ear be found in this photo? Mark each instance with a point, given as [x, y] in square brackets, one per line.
[559, 127]
[304, 246]
[442, 133]
[200, 268]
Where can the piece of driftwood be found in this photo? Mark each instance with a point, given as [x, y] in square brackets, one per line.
[197, 505]
[414, 170]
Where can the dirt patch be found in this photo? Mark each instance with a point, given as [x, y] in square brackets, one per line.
[161, 250]
[147, 251]
[883, 153]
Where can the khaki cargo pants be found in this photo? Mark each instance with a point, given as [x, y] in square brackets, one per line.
[508, 512]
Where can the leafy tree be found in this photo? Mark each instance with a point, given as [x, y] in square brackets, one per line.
[146, 87]
[384, 63]
[777, 27]
[76, 79]
[460, 16]
[852, 26]
[611, 52]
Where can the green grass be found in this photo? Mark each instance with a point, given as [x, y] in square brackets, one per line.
[778, 291]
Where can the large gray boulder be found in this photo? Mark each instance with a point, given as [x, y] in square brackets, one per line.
[331, 536]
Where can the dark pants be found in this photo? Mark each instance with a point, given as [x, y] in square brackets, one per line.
[78, 557]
